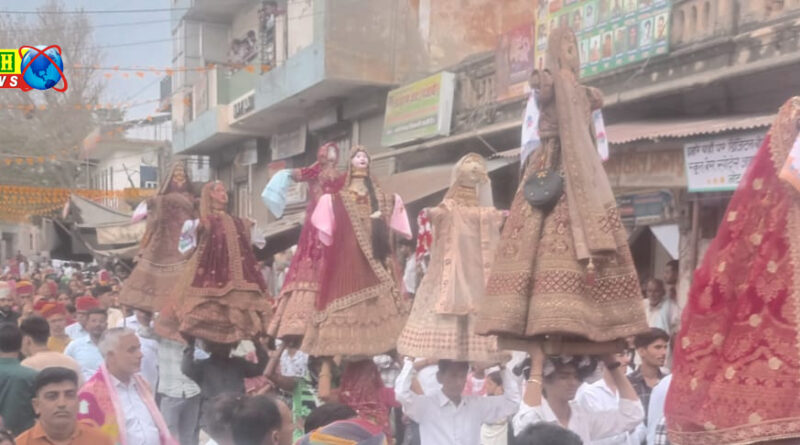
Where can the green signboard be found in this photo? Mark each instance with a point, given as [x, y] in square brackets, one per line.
[420, 110]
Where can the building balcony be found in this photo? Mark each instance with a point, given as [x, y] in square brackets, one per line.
[207, 132]
[320, 55]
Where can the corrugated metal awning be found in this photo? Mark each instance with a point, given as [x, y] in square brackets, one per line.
[626, 132]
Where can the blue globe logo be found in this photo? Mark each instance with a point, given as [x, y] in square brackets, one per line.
[39, 71]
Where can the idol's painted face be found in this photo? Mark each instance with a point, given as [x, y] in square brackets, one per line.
[219, 194]
[360, 160]
[332, 155]
[179, 176]
[471, 172]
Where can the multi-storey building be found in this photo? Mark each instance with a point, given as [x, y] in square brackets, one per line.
[677, 76]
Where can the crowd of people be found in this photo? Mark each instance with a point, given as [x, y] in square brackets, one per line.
[76, 367]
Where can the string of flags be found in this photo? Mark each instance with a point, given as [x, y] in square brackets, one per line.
[27, 160]
[18, 203]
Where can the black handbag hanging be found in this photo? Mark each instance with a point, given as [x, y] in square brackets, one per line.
[544, 186]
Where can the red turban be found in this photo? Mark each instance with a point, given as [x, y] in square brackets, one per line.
[86, 303]
[48, 309]
[24, 288]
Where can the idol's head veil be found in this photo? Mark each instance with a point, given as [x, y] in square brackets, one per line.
[483, 190]
[167, 185]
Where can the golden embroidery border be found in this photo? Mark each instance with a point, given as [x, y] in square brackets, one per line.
[385, 281]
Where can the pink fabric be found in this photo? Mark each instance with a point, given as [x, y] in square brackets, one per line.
[98, 397]
[475, 387]
[324, 220]
[399, 221]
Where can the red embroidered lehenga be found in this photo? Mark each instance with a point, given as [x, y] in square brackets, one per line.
[159, 263]
[224, 298]
[301, 285]
[736, 376]
[359, 310]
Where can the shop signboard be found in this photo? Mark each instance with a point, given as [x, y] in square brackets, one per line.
[514, 61]
[421, 110]
[288, 144]
[646, 169]
[611, 33]
[717, 164]
[243, 106]
[647, 208]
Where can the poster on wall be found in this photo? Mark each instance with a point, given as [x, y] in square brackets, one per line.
[242, 50]
[718, 164]
[611, 33]
[514, 62]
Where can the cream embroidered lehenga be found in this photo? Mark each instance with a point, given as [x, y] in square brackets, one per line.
[466, 230]
[568, 270]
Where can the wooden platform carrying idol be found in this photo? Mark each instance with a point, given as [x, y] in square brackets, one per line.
[563, 269]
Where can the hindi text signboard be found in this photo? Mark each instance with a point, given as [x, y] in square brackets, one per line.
[418, 111]
[717, 164]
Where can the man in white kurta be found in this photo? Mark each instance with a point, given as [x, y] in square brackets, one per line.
[448, 418]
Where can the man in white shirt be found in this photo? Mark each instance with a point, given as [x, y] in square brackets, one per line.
[294, 362]
[82, 307]
[427, 369]
[603, 395]
[662, 311]
[446, 417]
[141, 323]
[85, 349]
[140, 421]
[560, 378]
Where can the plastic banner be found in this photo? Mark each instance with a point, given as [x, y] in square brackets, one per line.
[530, 129]
[188, 239]
[274, 194]
[600, 134]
